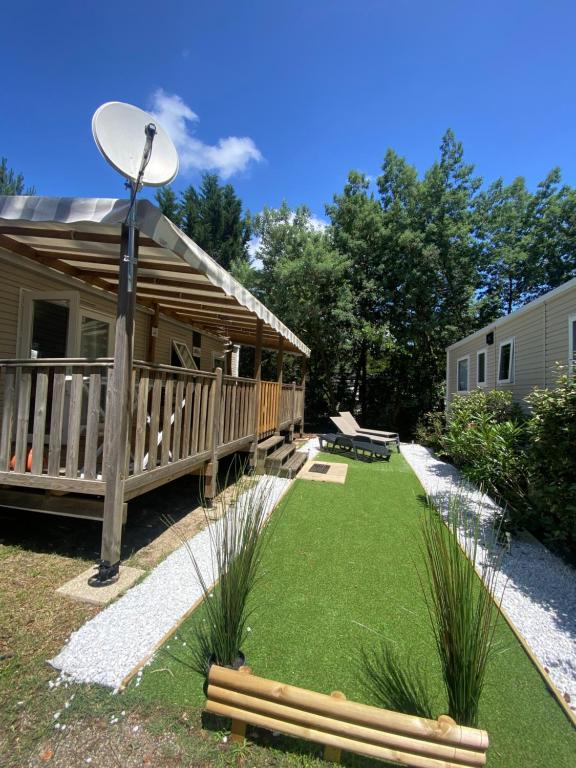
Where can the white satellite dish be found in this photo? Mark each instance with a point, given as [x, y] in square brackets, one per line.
[134, 144]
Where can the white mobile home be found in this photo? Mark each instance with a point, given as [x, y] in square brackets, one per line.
[519, 351]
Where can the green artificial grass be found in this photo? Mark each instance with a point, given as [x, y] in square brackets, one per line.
[341, 572]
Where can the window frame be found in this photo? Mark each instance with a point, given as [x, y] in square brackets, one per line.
[458, 361]
[572, 344]
[174, 344]
[27, 299]
[512, 365]
[484, 352]
[103, 318]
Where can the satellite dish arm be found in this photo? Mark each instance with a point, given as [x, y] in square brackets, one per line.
[150, 131]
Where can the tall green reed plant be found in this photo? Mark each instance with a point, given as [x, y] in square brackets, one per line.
[461, 602]
[237, 543]
[396, 682]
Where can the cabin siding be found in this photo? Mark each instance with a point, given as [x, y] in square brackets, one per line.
[540, 334]
[19, 276]
[559, 310]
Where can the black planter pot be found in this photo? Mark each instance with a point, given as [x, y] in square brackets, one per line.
[238, 662]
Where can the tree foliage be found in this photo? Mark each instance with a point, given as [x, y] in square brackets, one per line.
[408, 264]
[12, 183]
[212, 216]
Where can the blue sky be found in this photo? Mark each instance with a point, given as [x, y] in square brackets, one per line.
[289, 96]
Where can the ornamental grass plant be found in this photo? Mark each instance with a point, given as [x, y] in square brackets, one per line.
[462, 603]
[236, 547]
[397, 683]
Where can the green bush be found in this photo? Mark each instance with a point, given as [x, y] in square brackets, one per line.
[486, 439]
[430, 430]
[552, 463]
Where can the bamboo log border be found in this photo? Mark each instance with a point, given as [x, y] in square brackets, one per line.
[339, 724]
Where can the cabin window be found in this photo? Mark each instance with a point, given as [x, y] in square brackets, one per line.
[48, 324]
[95, 335]
[506, 362]
[572, 344]
[181, 356]
[481, 368]
[463, 364]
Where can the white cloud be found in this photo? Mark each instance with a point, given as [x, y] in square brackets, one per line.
[229, 156]
[318, 225]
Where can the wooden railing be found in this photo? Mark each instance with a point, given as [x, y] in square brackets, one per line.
[53, 415]
[237, 409]
[269, 407]
[171, 415]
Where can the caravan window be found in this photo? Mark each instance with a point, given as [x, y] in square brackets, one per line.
[481, 368]
[463, 374]
[506, 362]
[572, 344]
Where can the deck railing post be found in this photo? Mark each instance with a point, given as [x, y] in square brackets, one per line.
[258, 393]
[211, 474]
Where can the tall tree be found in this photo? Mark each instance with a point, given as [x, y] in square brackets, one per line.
[212, 216]
[303, 280]
[503, 232]
[12, 183]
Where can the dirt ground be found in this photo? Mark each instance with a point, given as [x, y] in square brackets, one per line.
[47, 721]
[38, 553]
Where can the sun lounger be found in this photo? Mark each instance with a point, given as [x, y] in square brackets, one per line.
[357, 429]
[362, 447]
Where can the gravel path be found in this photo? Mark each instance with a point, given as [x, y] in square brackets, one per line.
[112, 644]
[540, 593]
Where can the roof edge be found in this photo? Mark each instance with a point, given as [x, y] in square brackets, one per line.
[520, 311]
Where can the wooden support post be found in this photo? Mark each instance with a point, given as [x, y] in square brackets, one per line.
[279, 367]
[211, 474]
[280, 359]
[153, 338]
[332, 754]
[238, 728]
[119, 407]
[258, 377]
[304, 370]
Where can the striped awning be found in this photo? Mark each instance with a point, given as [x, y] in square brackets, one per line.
[81, 238]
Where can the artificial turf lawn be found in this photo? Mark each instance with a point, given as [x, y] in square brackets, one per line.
[341, 570]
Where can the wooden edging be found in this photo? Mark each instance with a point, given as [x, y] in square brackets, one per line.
[141, 664]
[556, 693]
[570, 714]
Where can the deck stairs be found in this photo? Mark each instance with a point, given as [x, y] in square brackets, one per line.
[276, 456]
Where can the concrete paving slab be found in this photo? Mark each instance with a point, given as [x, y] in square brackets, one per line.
[336, 473]
[78, 588]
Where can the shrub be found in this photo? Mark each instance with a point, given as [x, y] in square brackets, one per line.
[552, 463]
[486, 438]
[430, 430]
[462, 609]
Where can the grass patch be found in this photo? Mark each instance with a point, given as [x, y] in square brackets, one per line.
[341, 572]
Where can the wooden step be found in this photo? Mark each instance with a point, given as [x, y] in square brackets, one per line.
[291, 468]
[270, 442]
[276, 459]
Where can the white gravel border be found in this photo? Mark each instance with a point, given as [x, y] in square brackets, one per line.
[122, 636]
[540, 593]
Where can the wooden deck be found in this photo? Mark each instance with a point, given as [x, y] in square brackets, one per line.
[53, 422]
